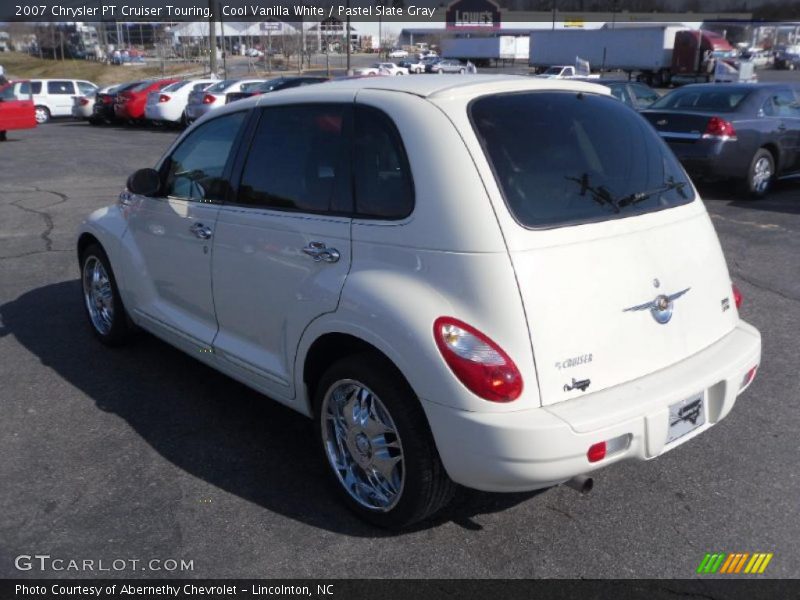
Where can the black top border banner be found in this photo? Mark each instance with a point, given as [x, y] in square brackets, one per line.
[480, 14]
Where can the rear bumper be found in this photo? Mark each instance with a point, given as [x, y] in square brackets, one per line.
[712, 159]
[195, 111]
[538, 448]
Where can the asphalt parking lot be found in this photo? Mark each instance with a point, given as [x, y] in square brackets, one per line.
[143, 453]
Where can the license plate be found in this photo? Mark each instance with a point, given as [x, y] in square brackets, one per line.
[685, 416]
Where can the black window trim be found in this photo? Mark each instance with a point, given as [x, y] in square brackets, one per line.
[246, 144]
[574, 222]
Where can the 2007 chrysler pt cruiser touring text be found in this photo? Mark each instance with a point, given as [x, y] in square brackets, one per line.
[500, 282]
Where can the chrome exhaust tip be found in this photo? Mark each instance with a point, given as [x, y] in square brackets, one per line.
[581, 483]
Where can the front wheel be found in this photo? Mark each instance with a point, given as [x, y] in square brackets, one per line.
[375, 438]
[101, 298]
[462, 71]
[760, 175]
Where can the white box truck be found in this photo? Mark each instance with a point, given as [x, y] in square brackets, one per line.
[644, 49]
[482, 50]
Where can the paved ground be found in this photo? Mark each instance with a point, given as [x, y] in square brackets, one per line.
[142, 453]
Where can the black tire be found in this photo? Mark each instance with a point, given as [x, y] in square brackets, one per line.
[755, 186]
[426, 488]
[3, 136]
[462, 71]
[120, 325]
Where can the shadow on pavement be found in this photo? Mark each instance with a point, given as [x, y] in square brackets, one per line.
[203, 422]
[784, 196]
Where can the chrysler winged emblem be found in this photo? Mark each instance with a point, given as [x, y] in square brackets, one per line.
[660, 307]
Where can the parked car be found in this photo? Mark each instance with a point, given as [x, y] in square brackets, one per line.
[16, 107]
[413, 65]
[169, 104]
[398, 53]
[202, 102]
[104, 102]
[382, 68]
[634, 94]
[53, 97]
[446, 65]
[273, 85]
[504, 282]
[743, 132]
[129, 104]
[83, 106]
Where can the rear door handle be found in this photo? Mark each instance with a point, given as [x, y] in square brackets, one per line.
[201, 231]
[320, 252]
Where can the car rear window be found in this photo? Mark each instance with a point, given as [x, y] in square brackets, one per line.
[174, 87]
[564, 158]
[220, 86]
[708, 99]
[142, 86]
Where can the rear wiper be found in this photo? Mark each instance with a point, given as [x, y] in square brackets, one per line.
[637, 197]
[599, 194]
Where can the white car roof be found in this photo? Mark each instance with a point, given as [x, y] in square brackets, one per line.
[471, 85]
[450, 86]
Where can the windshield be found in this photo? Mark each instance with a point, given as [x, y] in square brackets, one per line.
[553, 71]
[712, 99]
[220, 87]
[565, 158]
[7, 92]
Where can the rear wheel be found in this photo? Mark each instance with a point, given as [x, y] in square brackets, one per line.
[376, 441]
[3, 136]
[101, 298]
[462, 71]
[760, 175]
[42, 114]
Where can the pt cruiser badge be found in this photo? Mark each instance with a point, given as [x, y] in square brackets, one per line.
[660, 307]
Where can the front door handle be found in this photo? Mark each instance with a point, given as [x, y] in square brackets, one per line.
[201, 231]
[320, 252]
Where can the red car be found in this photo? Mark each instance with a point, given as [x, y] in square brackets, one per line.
[129, 104]
[16, 107]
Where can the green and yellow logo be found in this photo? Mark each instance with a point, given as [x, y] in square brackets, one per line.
[738, 562]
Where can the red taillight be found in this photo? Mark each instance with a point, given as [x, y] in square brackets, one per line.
[209, 99]
[718, 127]
[163, 98]
[737, 297]
[83, 101]
[748, 378]
[480, 364]
[596, 452]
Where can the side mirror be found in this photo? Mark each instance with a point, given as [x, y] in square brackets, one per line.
[144, 182]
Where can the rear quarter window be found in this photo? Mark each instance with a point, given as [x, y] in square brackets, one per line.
[565, 158]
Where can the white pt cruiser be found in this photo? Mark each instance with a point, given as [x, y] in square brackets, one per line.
[500, 282]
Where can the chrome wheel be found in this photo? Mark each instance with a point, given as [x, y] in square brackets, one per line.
[762, 174]
[362, 445]
[98, 295]
[41, 114]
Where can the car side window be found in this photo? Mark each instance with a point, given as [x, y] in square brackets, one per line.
[36, 87]
[298, 160]
[60, 87]
[86, 88]
[194, 170]
[768, 108]
[786, 104]
[381, 174]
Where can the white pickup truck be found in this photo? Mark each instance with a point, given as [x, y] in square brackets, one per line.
[566, 72]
